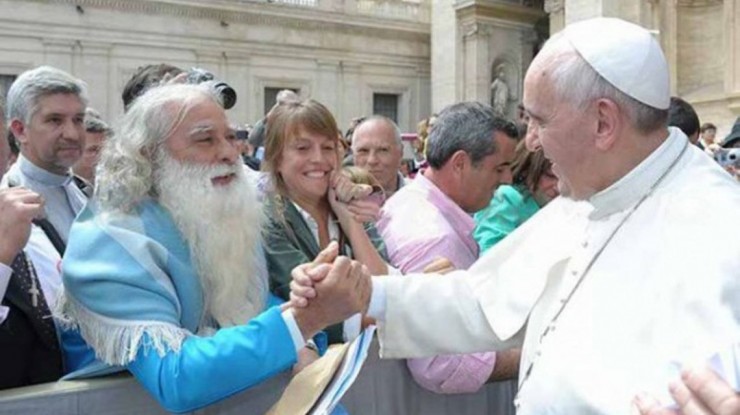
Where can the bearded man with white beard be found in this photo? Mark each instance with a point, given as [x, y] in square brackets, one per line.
[164, 271]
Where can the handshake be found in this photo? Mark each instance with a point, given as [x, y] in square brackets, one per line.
[328, 290]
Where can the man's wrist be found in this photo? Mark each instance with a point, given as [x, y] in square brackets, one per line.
[306, 323]
[7, 255]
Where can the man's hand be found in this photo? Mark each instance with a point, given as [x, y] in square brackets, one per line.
[439, 265]
[343, 292]
[350, 200]
[700, 392]
[306, 356]
[308, 273]
[18, 208]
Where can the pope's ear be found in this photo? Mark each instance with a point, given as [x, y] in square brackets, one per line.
[608, 118]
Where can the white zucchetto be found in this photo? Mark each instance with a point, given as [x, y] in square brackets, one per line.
[626, 55]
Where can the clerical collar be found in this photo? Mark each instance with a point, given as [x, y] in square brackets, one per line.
[630, 188]
[40, 175]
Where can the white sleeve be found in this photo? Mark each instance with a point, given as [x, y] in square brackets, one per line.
[295, 332]
[5, 273]
[409, 308]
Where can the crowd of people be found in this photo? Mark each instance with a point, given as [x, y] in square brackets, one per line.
[574, 243]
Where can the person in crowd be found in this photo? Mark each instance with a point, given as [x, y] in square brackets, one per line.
[259, 131]
[46, 109]
[534, 185]
[145, 77]
[698, 392]
[29, 349]
[591, 287]
[164, 273]
[96, 132]
[682, 115]
[46, 113]
[707, 137]
[733, 139]
[377, 147]
[303, 211]
[469, 153]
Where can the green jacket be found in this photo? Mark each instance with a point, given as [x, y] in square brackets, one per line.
[286, 247]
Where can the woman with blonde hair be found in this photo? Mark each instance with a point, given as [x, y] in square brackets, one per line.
[303, 209]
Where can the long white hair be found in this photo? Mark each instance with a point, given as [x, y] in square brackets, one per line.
[124, 174]
[222, 225]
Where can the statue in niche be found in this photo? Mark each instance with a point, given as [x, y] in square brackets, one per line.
[499, 91]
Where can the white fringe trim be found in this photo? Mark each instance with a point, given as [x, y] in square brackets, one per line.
[116, 342]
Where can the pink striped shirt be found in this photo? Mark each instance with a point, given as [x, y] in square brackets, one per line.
[420, 224]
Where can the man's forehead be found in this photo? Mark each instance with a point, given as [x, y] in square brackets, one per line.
[374, 132]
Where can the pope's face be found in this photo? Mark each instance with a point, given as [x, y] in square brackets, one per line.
[561, 130]
[205, 137]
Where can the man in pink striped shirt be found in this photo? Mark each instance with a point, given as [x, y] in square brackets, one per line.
[469, 152]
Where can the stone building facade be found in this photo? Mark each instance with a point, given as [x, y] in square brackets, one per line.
[404, 58]
[355, 56]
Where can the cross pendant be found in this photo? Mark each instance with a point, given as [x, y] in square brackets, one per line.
[34, 292]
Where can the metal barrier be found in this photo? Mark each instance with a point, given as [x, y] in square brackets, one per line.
[384, 387]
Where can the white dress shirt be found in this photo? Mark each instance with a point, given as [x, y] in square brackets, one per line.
[47, 263]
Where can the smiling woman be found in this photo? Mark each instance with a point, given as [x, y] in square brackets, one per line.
[301, 157]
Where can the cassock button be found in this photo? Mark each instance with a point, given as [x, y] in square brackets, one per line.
[584, 244]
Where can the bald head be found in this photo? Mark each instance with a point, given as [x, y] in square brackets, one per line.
[377, 147]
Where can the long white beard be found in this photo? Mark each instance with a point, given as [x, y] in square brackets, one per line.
[222, 226]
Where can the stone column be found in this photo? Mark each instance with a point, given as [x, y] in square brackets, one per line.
[237, 75]
[92, 64]
[577, 10]
[476, 76]
[446, 54]
[732, 43]
[326, 92]
[59, 53]
[668, 38]
[556, 10]
[353, 101]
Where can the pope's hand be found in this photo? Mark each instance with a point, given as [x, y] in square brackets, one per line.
[700, 392]
[342, 292]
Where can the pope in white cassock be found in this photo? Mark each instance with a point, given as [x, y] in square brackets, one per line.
[615, 287]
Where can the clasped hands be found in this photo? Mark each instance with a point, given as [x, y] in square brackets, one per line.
[328, 290]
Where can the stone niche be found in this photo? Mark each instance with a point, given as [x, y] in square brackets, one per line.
[498, 42]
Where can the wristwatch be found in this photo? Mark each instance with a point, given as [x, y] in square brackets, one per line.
[310, 345]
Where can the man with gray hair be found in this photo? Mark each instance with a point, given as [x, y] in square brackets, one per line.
[469, 152]
[96, 132]
[377, 147]
[623, 282]
[165, 275]
[46, 113]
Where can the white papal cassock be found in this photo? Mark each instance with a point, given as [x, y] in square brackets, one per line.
[664, 291]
